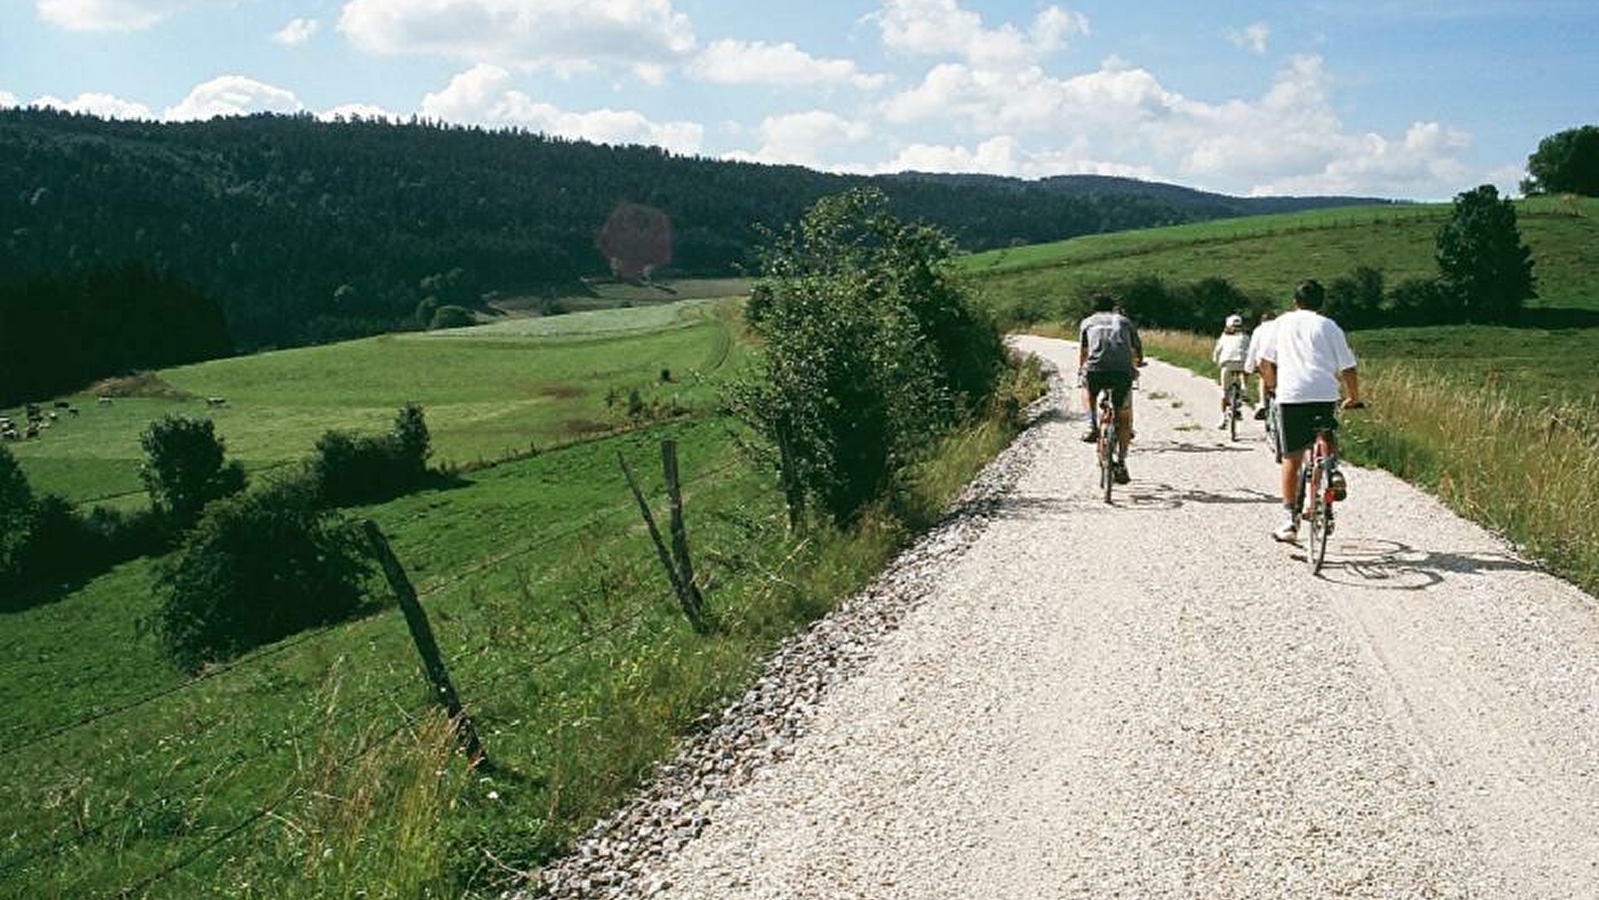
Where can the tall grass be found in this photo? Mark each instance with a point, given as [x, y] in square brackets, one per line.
[1527, 471]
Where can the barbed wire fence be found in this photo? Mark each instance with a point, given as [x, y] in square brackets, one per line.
[278, 751]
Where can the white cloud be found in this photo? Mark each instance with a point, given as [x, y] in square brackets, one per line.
[944, 28]
[1003, 155]
[297, 32]
[1289, 139]
[566, 36]
[357, 110]
[803, 139]
[1253, 38]
[111, 15]
[7, 99]
[106, 106]
[482, 95]
[233, 95]
[741, 62]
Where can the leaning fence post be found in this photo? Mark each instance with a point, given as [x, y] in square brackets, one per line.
[417, 621]
[674, 494]
[672, 575]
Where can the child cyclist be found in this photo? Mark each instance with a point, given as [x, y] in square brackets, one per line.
[1232, 355]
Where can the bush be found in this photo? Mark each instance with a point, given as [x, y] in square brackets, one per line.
[872, 350]
[1202, 306]
[257, 567]
[1356, 300]
[451, 316]
[1420, 301]
[349, 469]
[185, 469]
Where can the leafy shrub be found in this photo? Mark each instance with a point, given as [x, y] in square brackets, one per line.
[184, 469]
[255, 568]
[451, 316]
[871, 350]
[1356, 300]
[1201, 306]
[349, 469]
[1420, 301]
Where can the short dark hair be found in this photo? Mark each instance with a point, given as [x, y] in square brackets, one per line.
[1103, 302]
[1310, 294]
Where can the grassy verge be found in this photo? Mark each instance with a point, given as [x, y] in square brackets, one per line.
[315, 768]
[1527, 470]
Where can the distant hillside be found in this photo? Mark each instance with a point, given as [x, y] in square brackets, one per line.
[1201, 205]
[307, 231]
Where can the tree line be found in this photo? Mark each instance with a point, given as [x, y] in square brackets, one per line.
[306, 231]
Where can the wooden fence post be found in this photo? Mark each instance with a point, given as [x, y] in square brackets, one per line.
[422, 633]
[684, 598]
[674, 493]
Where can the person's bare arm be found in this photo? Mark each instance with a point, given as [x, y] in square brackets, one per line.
[1268, 374]
[1351, 380]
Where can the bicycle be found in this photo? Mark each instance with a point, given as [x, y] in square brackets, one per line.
[1270, 405]
[1235, 404]
[1319, 490]
[1107, 446]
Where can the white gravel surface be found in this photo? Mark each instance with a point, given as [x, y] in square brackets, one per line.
[1154, 700]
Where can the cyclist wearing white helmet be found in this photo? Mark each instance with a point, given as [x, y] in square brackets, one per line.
[1232, 355]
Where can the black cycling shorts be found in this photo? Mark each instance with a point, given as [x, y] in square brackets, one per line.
[1297, 423]
[1120, 384]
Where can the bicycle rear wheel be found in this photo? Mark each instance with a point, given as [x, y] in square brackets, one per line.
[1317, 515]
[1107, 459]
[1233, 403]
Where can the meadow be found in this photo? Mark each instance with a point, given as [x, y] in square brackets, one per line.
[317, 766]
[490, 392]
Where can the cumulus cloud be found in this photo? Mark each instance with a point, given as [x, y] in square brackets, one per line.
[357, 111]
[944, 28]
[483, 95]
[106, 106]
[741, 62]
[1289, 139]
[111, 15]
[565, 36]
[804, 139]
[1004, 155]
[297, 32]
[7, 99]
[1252, 38]
[233, 95]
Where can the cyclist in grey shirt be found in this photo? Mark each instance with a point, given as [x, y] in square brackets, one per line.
[1108, 355]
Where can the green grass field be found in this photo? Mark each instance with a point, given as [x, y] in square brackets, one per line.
[489, 392]
[313, 767]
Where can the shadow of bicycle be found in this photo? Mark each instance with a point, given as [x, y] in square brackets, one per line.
[1387, 565]
[1138, 495]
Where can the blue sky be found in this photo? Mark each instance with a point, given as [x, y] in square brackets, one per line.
[1391, 98]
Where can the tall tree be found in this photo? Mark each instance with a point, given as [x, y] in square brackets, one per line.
[1485, 266]
[1567, 162]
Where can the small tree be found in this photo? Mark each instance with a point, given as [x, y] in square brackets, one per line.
[1567, 162]
[1484, 264]
[451, 317]
[255, 568]
[16, 514]
[185, 468]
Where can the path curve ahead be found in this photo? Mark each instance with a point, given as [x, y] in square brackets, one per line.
[1154, 700]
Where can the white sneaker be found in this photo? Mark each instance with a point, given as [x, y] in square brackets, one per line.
[1288, 533]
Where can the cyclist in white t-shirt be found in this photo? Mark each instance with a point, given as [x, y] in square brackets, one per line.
[1231, 355]
[1257, 340]
[1305, 360]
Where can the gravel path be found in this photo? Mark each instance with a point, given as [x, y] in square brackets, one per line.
[1154, 700]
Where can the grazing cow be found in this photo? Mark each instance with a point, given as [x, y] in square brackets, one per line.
[33, 429]
[54, 415]
[102, 401]
[216, 402]
[61, 404]
[72, 410]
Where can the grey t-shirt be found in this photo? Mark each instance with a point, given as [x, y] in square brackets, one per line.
[1112, 343]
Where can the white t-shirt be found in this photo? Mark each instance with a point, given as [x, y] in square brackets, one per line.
[1232, 350]
[1257, 343]
[1309, 350]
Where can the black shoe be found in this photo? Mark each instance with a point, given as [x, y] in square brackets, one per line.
[1260, 414]
[1120, 475]
[1091, 436]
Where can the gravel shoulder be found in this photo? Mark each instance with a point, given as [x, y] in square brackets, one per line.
[1050, 697]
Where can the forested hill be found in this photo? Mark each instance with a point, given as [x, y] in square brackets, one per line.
[306, 231]
[1198, 205]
